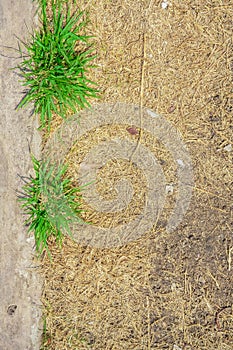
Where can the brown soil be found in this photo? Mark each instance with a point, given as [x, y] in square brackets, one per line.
[165, 290]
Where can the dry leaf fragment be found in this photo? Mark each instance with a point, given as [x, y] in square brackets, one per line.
[132, 130]
[171, 109]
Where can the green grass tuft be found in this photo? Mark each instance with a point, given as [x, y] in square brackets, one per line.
[51, 203]
[58, 58]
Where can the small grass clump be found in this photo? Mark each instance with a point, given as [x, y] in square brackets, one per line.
[51, 203]
[58, 58]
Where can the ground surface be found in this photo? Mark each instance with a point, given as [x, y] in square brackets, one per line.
[19, 283]
[165, 290]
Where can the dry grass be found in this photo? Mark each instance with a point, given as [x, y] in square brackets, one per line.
[165, 290]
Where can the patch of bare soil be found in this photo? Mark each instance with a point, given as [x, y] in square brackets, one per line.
[165, 290]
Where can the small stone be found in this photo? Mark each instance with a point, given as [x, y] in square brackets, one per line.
[173, 287]
[228, 148]
[169, 189]
[176, 347]
[164, 4]
[180, 163]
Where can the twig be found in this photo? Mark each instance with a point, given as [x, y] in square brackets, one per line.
[148, 323]
[216, 319]
[141, 93]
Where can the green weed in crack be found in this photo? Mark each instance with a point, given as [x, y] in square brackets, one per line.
[46, 337]
[51, 203]
[55, 70]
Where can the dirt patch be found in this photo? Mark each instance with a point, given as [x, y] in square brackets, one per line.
[20, 306]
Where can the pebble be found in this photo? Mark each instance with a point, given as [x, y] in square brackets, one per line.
[164, 4]
[228, 148]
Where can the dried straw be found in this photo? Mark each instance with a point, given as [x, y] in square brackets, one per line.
[165, 290]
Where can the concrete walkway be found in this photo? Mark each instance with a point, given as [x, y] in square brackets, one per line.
[19, 281]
